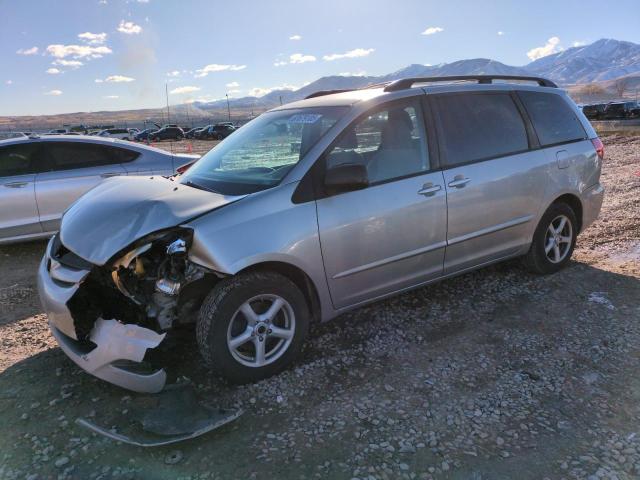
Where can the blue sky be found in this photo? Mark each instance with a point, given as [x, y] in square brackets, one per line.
[90, 55]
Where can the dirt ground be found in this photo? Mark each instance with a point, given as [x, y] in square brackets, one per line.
[496, 374]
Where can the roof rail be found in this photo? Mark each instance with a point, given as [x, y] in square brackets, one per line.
[322, 93]
[405, 83]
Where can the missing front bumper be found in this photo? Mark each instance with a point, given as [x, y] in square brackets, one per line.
[115, 342]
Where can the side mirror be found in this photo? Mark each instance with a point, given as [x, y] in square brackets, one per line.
[346, 177]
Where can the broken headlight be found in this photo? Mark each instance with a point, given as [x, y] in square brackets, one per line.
[154, 271]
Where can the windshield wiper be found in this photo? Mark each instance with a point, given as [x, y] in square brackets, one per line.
[189, 183]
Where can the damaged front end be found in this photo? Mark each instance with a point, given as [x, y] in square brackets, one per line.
[106, 318]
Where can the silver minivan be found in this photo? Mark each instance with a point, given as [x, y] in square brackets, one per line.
[315, 208]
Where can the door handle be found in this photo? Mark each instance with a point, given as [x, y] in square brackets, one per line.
[429, 189]
[459, 181]
[16, 184]
[110, 174]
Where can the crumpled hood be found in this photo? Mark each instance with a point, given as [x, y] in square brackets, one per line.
[121, 210]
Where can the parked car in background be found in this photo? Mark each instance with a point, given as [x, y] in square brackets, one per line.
[201, 134]
[191, 133]
[41, 176]
[391, 188]
[144, 134]
[621, 110]
[594, 111]
[219, 131]
[119, 133]
[167, 133]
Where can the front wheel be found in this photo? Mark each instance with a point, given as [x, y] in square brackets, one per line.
[553, 240]
[252, 326]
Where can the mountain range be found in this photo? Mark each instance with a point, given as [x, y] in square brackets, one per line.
[598, 63]
[605, 59]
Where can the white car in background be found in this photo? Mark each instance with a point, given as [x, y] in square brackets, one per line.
[119, 133]
[40, 176]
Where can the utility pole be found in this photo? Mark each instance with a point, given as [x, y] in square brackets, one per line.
[281, 100]
[166, 94]
[228, 108]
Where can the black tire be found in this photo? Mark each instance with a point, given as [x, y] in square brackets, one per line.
[217, 312]
[537, 260]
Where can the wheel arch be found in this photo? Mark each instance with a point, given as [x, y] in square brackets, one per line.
[298, 277]
[576, 205]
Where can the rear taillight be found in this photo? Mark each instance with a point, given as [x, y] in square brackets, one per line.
[184, 168]
[599, 146]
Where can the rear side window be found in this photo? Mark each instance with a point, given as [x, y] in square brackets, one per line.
[122, 155]
[18, 159]
[552, 117]
[479, 126]
[71, 155]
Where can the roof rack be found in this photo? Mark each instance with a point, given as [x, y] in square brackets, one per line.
[322, 93]
[405, 83]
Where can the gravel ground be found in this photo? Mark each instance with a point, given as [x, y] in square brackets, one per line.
[497, 374]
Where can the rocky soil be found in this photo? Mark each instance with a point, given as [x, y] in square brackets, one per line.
[497, 374]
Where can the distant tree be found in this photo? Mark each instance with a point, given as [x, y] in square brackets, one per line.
[620, 86]
[590, 92]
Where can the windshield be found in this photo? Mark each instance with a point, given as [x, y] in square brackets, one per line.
[261, 153]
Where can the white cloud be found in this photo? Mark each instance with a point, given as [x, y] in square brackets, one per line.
[93, 38]
[552, 46]
[214, 67]
[295, 37]
[361, 73]
[9, 82]
[111, 96]
[233, 85]
[98, 80]
[118, 79]
[500, 33]
[27, 51]
[432, 31]
[143, 1]
[358, 52]
[279, 63]
[259, 91]
[174, 73]
[68, 63]
[579, 43]
[301, 58]
[53, 71]
[77, 51]
[182, 90]
[54, 93]
[235, 90]
[129, 28]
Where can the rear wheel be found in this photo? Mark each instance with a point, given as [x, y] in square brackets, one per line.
[553, 240]
[252, 326]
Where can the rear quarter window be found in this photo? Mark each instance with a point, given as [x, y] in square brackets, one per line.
[553, 119]
[478, 126]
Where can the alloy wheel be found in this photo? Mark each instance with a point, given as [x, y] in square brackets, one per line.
[261, 330]
[558, 239]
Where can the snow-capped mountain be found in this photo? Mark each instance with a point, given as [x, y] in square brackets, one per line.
[601, 60]
[604, 59]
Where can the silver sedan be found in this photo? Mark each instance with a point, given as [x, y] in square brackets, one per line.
[41, 176]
